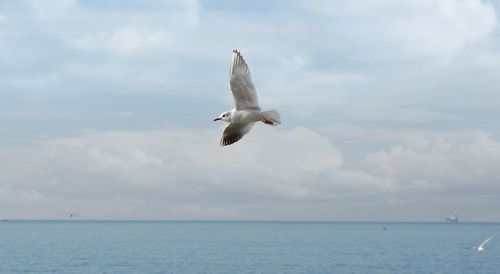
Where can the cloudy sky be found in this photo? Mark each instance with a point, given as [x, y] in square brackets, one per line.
[390, 109]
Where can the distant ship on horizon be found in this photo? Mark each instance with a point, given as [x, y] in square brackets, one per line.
[453, 219]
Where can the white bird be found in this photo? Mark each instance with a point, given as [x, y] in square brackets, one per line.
[246, 109]
[69, 214]
[481, 246]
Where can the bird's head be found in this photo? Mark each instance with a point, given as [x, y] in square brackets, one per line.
[225, 116]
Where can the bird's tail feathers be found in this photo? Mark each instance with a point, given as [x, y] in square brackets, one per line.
[271, 117]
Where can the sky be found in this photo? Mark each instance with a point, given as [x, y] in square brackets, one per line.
[390, 110]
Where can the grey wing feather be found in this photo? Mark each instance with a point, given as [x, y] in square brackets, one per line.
[240, 83]
[234, 132]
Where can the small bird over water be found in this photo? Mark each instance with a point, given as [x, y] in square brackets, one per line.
[69, 214]
[246, 109]
[481, 246]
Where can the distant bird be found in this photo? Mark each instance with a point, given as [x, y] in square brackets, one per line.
[246, 109]
[483, 244]
[70, 214]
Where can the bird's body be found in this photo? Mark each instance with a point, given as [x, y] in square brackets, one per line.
[246, 109]
[245, 116]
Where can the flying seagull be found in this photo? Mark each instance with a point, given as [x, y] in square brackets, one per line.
[69, 214]
[481, 246]
[246, 109]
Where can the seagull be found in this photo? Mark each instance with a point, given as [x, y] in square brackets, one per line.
[246, 109]
[70, 214]
[481, 246]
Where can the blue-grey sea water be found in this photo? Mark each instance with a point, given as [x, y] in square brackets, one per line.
[245, 247]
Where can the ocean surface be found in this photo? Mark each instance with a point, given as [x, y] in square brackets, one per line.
[78, 246]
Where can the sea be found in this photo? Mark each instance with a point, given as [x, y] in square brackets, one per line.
[79, 246]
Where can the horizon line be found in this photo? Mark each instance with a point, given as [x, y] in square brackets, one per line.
[246, 220]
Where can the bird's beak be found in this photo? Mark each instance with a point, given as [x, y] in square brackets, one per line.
[216, 119]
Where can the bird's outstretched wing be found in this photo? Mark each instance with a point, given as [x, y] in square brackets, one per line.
[485, 242]
[234, 132]
[240, 83]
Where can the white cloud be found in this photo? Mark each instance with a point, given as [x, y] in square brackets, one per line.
[125, 41]
[138, 32]
[447, 26]
[295, 62]
[445, 160]
[53, 9]
[37, 83]
[433, 29]
[384, 112]
[307, 89]
[186, 172]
